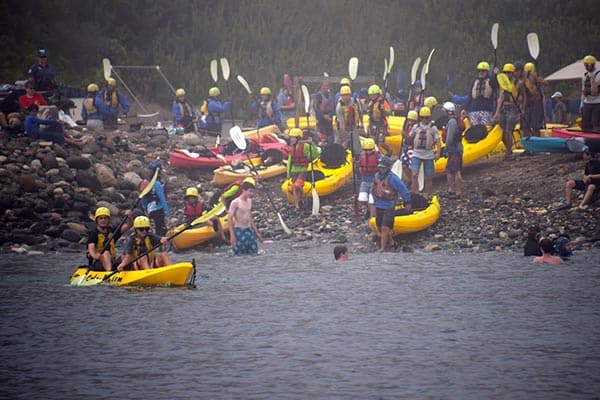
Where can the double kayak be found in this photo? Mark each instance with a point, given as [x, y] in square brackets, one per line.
[421, 217]
[328, 179]
[178, 274]
[536, 144]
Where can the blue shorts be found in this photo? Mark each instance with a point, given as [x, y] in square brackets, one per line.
[415, 165]
[246, 241]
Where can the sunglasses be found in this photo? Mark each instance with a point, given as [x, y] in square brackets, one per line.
[142, 229]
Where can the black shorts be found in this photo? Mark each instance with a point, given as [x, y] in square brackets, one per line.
[385, 217]
[454, 164]
[580, 185]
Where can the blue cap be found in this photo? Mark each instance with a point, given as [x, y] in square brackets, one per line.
[384, 161]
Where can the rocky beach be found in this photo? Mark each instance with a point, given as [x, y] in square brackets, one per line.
[49, 192]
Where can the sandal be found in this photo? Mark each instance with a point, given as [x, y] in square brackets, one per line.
[562, 207]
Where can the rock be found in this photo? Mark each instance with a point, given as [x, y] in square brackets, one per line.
[191, 139]
[432, 247]
[105, 175]
[49, 162]
[503, 235]
[79, 162]
[135, 165]
[114, 211]
[88, 179]
[28, 239]
[70, 235]
[28, 183]
[60, 151]
[131, 180]
[79, 228]
[36, 164]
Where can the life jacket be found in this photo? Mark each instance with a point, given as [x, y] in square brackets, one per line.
[407, 141]
[192, 212]
[350, 114]
[423, 138]
[587, 83]
[267, 111]
[299, 159]
[102, 237]
[229, 197]
[146, 244]
[88, 104]
[185, 109]
[382, 188]
[376, 111]
[368, 163]
[204, 108]
[111, 98]
[481, 88]
[326, 104]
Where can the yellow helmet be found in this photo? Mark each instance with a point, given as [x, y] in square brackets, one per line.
[192, 191]
[374, 89]
[180, 92]
[508, 67]
[412, 114]
[214, 92]
[345, 90]
[141, 222]
[589, 59]
[111, 82]
[425, 112]
[265, 90]
[250, 180]
[483, 66]
[430, 102]
[368, 144]
[92, 88]
[529, 67]
[102, 212]
[295, 132]
[345, 81]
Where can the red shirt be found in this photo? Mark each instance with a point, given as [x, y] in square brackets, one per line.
[25, 101]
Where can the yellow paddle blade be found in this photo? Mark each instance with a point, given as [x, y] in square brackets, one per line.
[504, 82]
[150, 185]
[215, 211]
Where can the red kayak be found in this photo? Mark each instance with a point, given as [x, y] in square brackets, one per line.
[574, 132]
[214, 157]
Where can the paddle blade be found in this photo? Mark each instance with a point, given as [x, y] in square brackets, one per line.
[107, 68]
[397, 168]
[215, 211]
[150, 185]
[392, 59]
[353, 68]
[421, 178]
[89, 282]
[225, 68]
[414, 70]
[244, 83]
[287, 230]
[316, 203]
[504, 82]
[494, 35]
[533, 44]
[306, 99]
[423, 77]
[385, 68]
[325, 74]
[238, 138]
[429, 60]
[214, 73]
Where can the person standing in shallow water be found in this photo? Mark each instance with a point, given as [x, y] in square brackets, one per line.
[242, 229]
[546, 246]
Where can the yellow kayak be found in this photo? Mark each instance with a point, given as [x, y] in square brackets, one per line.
[170, 275]
[226, 175]
[331, 178]
[195, 236]
[264, 131]
[414, 222]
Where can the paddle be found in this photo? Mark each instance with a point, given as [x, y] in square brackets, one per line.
[494, 38]
[424, 72]
[93, 261]
[533, 44]
[107, 68]
[225, 69]
[352, 73]
[244, 83]
[413, 76]
[240, 141]
[316, 202]
[216, 210]
[214, 73]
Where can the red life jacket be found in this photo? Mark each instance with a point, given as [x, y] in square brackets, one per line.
[192, 212]
[298, 157]
[368, 163]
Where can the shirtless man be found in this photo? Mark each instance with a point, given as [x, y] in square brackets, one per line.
[546, 246]
[242, 230]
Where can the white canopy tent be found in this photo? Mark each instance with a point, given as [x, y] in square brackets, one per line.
[570, 72]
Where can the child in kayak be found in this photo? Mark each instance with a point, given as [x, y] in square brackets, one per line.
[140, 243]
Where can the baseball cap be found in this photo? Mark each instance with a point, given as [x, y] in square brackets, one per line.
[42, 53]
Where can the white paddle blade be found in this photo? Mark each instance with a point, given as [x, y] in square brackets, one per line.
[421, 178]
[306, 99]
[385, 68]
[285, 228]
[392, 59]
[423, 77]
[107, 68]
[414, 70]
[428, 61]
[533, 44]
[244, 83]
[353, 68]
[316, 203]
[325, 74]
[225, 68]
[238, 138]
[214, 73]
[494, 35]
[397, 168]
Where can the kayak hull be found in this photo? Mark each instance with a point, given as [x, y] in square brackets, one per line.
[555, 145]
[414, 222]
[185, 159]
[226, 175]
[196, 236]
[171, 275]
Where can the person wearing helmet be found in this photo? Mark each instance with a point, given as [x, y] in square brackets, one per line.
[426, 149]
[412, 118]
[300, 154]
[268, 110]
[286, 103]
[101, 250]
[378, 109]
[140, 243]
[345, 82]
[590, 95]
[347, 117]
[454, 151]
[112, 99]
[507, 110]
[233, 190]
[369, 158]
[193, 207]
[559, 109]
[324, 108]
[480, 103]
[242, 229]
[213, 110]
[386, 188]
[155, 202]
[532, 105]
[184, 114]
[41, 73]
[399, 104]
[92, 109]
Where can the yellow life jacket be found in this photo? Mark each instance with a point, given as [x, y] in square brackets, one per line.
[204, 108]
[88, 104]
[137, 248]
[102, 237]
[477, 91]
[531, 89]
[377, 111]
[111, 98]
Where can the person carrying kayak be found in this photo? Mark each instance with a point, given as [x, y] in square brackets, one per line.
[141, 242]
[268, 110]
[101, 255]
[301, 153]
[212, 111]
[184, 113]
[243, 232]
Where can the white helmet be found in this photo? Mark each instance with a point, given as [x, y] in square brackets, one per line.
[449, 107]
